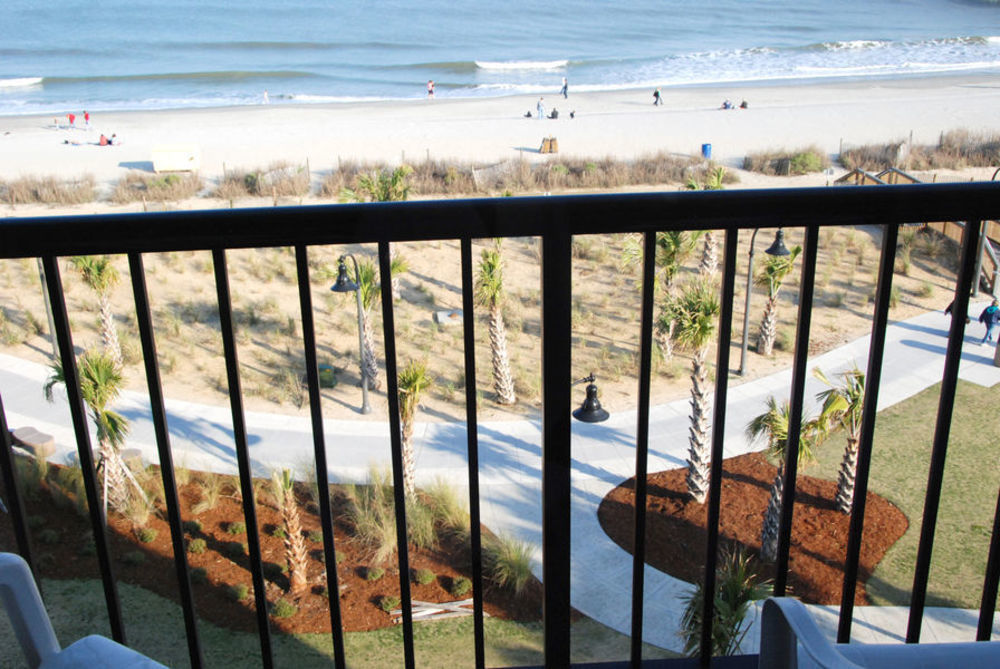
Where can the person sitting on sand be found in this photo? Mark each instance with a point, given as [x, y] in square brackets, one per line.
[555, 113]
[572, 114]
[726, 104]
[103, 141]
[527, 114]
[113, 140]
[744, 105]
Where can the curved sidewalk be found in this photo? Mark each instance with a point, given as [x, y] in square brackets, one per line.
[510, 464]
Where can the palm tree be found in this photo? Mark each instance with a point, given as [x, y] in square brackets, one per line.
[100, 383]
[380, 186]
[102, 277]
[371, 292]
[842, 408]
[413, 381]
[673, 247]
[771, 276]
[773, 426]
[489, 293]
[710, 254]
[694, 311]
[295, 547]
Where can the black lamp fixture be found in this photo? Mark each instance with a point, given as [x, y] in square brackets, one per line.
[590, 411]
[777, 248]
[344, 284]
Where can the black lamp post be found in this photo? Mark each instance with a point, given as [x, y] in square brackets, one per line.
[590, 411]
[777, 248]
[345, 285]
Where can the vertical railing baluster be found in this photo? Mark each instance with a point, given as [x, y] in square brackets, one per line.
[642, 444]
[148, 341]
[15, 496]
[869, 411]
[946, 406]
[796, 403]
[96, 510]
[319, 448]
[718, 442]
[472, 430]
[242, 452]
[395, 436]
[557, 298]
[988, 603]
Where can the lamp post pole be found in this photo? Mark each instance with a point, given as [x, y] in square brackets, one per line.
[746, 309]
[345, 285]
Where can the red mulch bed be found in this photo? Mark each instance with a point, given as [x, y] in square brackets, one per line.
[676, 535]
[66, 557]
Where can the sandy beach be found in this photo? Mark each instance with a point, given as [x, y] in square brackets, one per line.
[621, 124]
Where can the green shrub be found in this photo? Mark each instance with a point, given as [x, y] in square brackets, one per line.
[48, 536]
[508, 562]
[424, 576]
[806, 163]
[283, 609]
[196, 546]
[146, 535]
[199, 576]
[236, 528]
[233, 549]
[315, 536]
[192, 526]
[388, 602]
[926, 289]
[339, 557]
[133, 558]
[374, 573]
[278, 532]
[238, 592]
[460, 586]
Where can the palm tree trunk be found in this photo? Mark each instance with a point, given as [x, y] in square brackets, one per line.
[847, 475]
[772, 517]
[116, 484]
[664, 338]
[768, 327]
[503, 382]
[699, 453]
[369, 362]
[409, 483]
[295, 547]
[109, 333]
[710, 255]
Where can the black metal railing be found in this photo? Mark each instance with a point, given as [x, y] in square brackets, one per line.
[555, 220]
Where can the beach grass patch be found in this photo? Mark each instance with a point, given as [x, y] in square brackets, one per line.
[138, 186]
[787, 162]
[48, 190]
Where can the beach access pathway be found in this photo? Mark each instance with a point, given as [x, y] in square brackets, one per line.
[510, 466]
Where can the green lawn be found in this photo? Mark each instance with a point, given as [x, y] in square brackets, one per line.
[900, 461]
[155, 627]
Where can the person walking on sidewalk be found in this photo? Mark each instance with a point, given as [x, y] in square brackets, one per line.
[990, 317]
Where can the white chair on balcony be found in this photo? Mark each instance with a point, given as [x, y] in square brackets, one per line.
[790, 639]
[37, 638]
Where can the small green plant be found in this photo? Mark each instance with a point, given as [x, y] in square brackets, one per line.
[239, 592]
[283, 609]
[278, 532]
[133, 558]
[339, 556]
[424, 576]
[374, 573]
[388, 602]
[196, 546]
[146, 535]
[48, 536]
[236, 528]
[508, 562]
[315, 536]
[460, 586]
[192, 526]
[926, 289]
[199, 576]
[233, 549]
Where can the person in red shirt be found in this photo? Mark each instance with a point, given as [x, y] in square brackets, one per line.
[72, 119]
[86, 118]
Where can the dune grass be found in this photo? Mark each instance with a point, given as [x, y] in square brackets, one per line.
[48, 190]
[955, 149]
[136, 186]
[784, 162]
[277, 179]
[900, 462]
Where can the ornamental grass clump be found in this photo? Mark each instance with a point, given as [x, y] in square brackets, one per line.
[507, 562]
[424, 576]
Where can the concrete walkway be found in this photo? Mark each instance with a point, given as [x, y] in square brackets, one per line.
[510, 471]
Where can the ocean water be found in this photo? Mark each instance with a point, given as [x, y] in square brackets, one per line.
[137, 54]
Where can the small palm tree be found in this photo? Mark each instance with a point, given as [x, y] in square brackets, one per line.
[694, 311]
[413, 381]
[371, 292]
[295, 546]
[673, 247]
[489, 293]
[842, 408]
[100, 383]
[773, 426]
[710, 254]
[380, 186]
[101, 276]
[771, 276]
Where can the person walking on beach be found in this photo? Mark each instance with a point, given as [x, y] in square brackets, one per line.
[565, 88]
[540, 108]
[430, 89]
[990, 317]
[267, 98]
[656, 97]
[72, 120]
[86, 118]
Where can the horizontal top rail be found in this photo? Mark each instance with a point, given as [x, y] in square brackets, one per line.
[493, 217]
